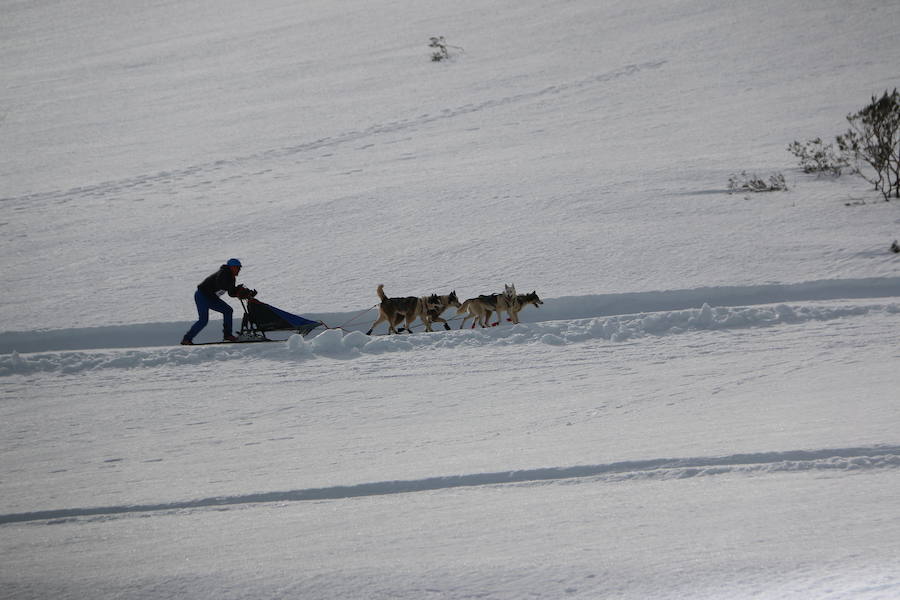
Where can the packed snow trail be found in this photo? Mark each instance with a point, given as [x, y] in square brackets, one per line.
[554, 309]
[338, 344]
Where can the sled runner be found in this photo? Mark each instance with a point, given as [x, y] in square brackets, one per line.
[260, 318]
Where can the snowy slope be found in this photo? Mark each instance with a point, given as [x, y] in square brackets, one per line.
[579, 149]
[537, 460]
[704, 407]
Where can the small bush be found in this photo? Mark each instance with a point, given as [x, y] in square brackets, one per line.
[746, 182]
[818, 157]
[874, 140]
[441, 49]
[439, 44]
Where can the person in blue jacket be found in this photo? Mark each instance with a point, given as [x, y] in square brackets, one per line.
[208, 298]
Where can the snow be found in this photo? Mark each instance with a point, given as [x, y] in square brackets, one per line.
[350, 344]
[703, 407]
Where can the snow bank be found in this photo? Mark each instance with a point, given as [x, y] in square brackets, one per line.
[334, 343]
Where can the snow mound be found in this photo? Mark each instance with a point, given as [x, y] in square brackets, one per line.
[334, 343]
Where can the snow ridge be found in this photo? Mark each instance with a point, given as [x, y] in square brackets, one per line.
[336, 343]
[835, 459]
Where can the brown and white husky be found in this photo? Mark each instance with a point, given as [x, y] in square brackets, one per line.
[482, 307]
[409, 308]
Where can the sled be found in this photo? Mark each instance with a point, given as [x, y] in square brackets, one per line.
[238, 341]
[260, 318]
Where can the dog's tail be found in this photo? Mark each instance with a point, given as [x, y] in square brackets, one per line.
[380, 291]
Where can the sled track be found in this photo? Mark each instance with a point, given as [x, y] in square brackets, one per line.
[835, 459]
[555, 309]
[354, 344]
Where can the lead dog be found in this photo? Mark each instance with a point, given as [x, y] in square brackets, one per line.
[408, 308]
[523, 300]
[480, 308]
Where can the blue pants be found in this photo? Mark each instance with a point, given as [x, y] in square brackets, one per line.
[204, 305]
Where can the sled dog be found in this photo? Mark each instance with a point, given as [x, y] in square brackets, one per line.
[522, 300]
[407, 309]
[435, 305]
[481, 307]
[473, 309]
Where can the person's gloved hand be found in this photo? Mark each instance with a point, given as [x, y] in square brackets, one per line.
[242, 292]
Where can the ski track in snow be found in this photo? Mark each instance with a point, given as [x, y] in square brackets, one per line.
[201, 174]
[835, 459]
[335, 343]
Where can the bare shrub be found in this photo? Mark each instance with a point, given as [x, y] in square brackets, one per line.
[873, 140]
[751, 182]
[817, 157]
[441, 49]
[439, 46]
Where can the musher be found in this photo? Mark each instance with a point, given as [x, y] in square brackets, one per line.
[208, 298]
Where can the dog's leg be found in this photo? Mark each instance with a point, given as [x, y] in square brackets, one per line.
[464, 308]
[392, 325]
[437, 319]
[498, 308]
[444, 321]
[381, 318]
[431, 313]
[407, 320]
[517, 307]
[512, 314]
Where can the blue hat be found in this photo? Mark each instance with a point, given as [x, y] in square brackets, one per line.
[233, 262]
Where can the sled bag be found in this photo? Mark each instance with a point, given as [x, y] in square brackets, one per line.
[268, 318]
